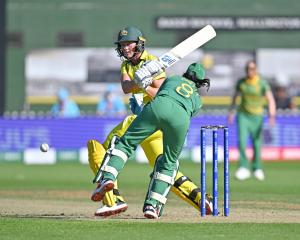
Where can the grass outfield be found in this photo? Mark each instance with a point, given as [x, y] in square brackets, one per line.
[50, 202]
[56, 229]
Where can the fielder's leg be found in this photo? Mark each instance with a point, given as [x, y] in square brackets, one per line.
[256, 135]
[166, 166]
[183, 186]
[113, 202]
[162, 178]
[96, 154]
[244, 123]
[143, 126]
[243, 133]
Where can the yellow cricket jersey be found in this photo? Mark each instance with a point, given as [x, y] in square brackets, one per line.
[252, 95]
[129, 69]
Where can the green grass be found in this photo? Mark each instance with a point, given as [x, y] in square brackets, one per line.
[281, 179]
[281, 186]
[65, 229]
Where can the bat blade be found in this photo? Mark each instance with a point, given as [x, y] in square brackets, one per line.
[187, 46]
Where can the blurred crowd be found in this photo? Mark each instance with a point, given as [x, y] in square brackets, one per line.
[284, 101]
[112, 104]
[109, 104]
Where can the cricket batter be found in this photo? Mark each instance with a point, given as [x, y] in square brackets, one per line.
[130, 47]
[253, 92]
[178, 96]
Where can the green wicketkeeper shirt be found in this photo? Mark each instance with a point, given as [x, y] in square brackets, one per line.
[184, 92]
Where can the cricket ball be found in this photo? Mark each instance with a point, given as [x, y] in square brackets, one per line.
[44, 147]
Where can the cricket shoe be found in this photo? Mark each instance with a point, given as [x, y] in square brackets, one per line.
[101, 189]
[106, 211]
[150, 212]
[259, 174]
[242, 173]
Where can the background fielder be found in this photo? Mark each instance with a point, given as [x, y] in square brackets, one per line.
[253, 91]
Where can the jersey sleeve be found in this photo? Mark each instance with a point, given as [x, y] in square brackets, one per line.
[123, 68]
[237, 85]
[162, 75]
[265, 86]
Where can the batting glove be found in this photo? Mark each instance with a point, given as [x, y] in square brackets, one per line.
[143, 78]
[155, 67]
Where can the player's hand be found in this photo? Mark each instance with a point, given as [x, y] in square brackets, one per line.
[135, 106]
[230, 118]
[143, 78]
[272, 121]
[155, 67]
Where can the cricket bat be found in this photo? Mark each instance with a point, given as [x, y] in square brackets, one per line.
[187, 46]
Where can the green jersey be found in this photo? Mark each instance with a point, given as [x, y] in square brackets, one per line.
[184, 92]
[252, 95]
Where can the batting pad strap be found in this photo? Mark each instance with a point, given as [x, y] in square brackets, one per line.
[111, 170]
[158, 197]
[119, 153]
[116, 192]
[180, 181]
[194, 193]
[164, 177]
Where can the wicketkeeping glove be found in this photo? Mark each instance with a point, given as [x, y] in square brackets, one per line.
[135, 106]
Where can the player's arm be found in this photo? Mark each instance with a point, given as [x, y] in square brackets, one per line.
[232, 107]
[128, 86]
[154, 87]
[233, 101]
[271, 106]
[292, 104]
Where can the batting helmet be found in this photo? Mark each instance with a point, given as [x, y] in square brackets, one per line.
[130, 34]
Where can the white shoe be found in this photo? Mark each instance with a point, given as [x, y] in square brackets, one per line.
[242, 173]
[106, 211]
[101, 189]
[259, 174]
[150, 212]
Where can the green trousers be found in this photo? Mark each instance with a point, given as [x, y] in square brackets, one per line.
[250, 125]
[164, 114]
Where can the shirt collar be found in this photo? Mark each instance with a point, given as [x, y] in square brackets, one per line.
[144, 55]
[253, 80]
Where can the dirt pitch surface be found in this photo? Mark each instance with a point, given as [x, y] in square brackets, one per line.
[61, 204]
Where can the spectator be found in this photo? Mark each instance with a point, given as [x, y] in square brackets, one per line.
[111, 105]
[65, 107]
[282, 99]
